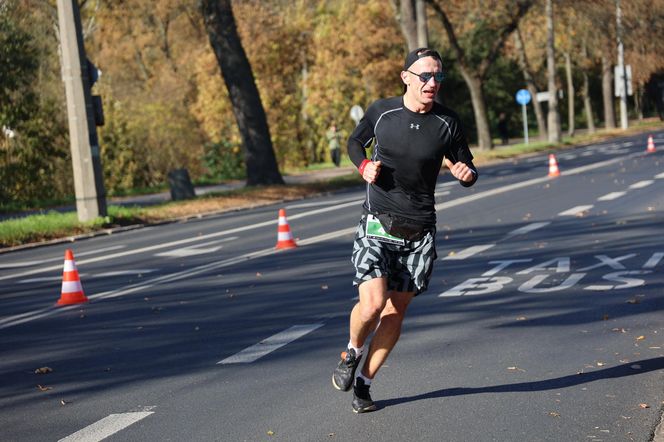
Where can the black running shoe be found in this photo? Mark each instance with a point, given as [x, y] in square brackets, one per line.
[343, 375]
[362, 402]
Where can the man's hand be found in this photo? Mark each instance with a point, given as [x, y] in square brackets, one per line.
[460, 171]
[371, 171]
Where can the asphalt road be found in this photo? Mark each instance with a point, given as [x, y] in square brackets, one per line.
[543, 321]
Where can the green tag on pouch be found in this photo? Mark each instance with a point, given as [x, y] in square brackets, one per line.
[376, 231]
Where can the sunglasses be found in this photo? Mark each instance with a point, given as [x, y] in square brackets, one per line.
[426, 76]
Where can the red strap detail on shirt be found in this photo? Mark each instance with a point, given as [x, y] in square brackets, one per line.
[362, 166]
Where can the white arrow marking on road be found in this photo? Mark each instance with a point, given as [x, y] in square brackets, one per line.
[467, 253]
[611, 196]
[106, 427]
[641, 184]
[266, 346]
[575, 210]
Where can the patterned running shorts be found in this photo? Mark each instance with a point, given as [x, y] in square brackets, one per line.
[407, 267]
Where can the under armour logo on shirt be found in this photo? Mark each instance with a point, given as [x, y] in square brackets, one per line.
[414, 126]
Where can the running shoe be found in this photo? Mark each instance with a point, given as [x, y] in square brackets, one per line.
[343, 375]
[362, 402]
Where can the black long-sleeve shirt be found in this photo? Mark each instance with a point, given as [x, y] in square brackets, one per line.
[410, 147]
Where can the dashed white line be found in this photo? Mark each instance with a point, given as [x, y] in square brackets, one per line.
[654, 260]
[526, 229]
[660, 175]
[611, 196]
[267, 346]
[575, 210]
[467, 253]
[641, 184]
[106, 427]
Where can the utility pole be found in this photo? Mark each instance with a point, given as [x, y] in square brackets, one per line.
[624, 122]
[86, 161]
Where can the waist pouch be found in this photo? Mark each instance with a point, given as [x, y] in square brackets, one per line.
[402, 227]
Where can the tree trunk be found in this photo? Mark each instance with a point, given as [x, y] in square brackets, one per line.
[607, 93]
[585, 93]
[553, 117]
[405, 10]
[530, 84]
[474, 84]
[570, 95]
[421, 22]
[236, 71]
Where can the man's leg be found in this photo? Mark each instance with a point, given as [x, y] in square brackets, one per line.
[388, 331]
[383, 341]
[365, 315]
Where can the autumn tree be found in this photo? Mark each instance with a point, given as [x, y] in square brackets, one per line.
[476, 35]
[247, 107]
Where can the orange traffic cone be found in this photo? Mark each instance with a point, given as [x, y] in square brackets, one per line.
[284, 236]
[553, 166]
[651, 144]
[72, 291]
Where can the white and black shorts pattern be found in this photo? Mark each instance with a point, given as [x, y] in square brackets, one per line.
[407, 267]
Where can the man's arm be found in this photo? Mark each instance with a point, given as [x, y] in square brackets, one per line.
[358, 141]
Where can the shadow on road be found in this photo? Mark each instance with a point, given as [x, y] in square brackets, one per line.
[629, 369]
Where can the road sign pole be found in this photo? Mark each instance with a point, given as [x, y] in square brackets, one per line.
[524, 114]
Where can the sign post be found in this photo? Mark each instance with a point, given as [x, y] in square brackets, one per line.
[523, 98]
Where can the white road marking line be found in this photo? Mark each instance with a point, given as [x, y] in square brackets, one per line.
[181, 241]
[641, 184]
[575, 210]
[467, 253]
[628, 143]
[527, 183]
[187, 251]
[268, 345]
[321, 203]
[660, 175]
[653, 261]
[526, 229]
[47, 311]
[61, 259]
[611, 196]
[106, 427]
[122, 273]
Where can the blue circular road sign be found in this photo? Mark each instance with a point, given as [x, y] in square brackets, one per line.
[523, 97]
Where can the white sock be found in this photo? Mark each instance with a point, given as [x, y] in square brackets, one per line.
[366, 380]
[358, 351]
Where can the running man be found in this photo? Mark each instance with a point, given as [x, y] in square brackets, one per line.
[394, 248]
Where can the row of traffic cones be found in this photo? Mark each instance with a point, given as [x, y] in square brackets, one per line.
[72, 289]
[553, 164]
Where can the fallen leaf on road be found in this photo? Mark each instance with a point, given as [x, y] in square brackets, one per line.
[640, 338]
[43, 370]
[620, 330]
[42, 388]
[270, 433]
[601, 364]
[331, 435]
[63, 402]
[515, 369]
[554, 414]
[605, 317]
[644, 405]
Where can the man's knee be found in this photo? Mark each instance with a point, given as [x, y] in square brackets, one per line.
[373, 297]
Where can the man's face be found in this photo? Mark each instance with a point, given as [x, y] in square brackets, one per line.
[422, 92]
